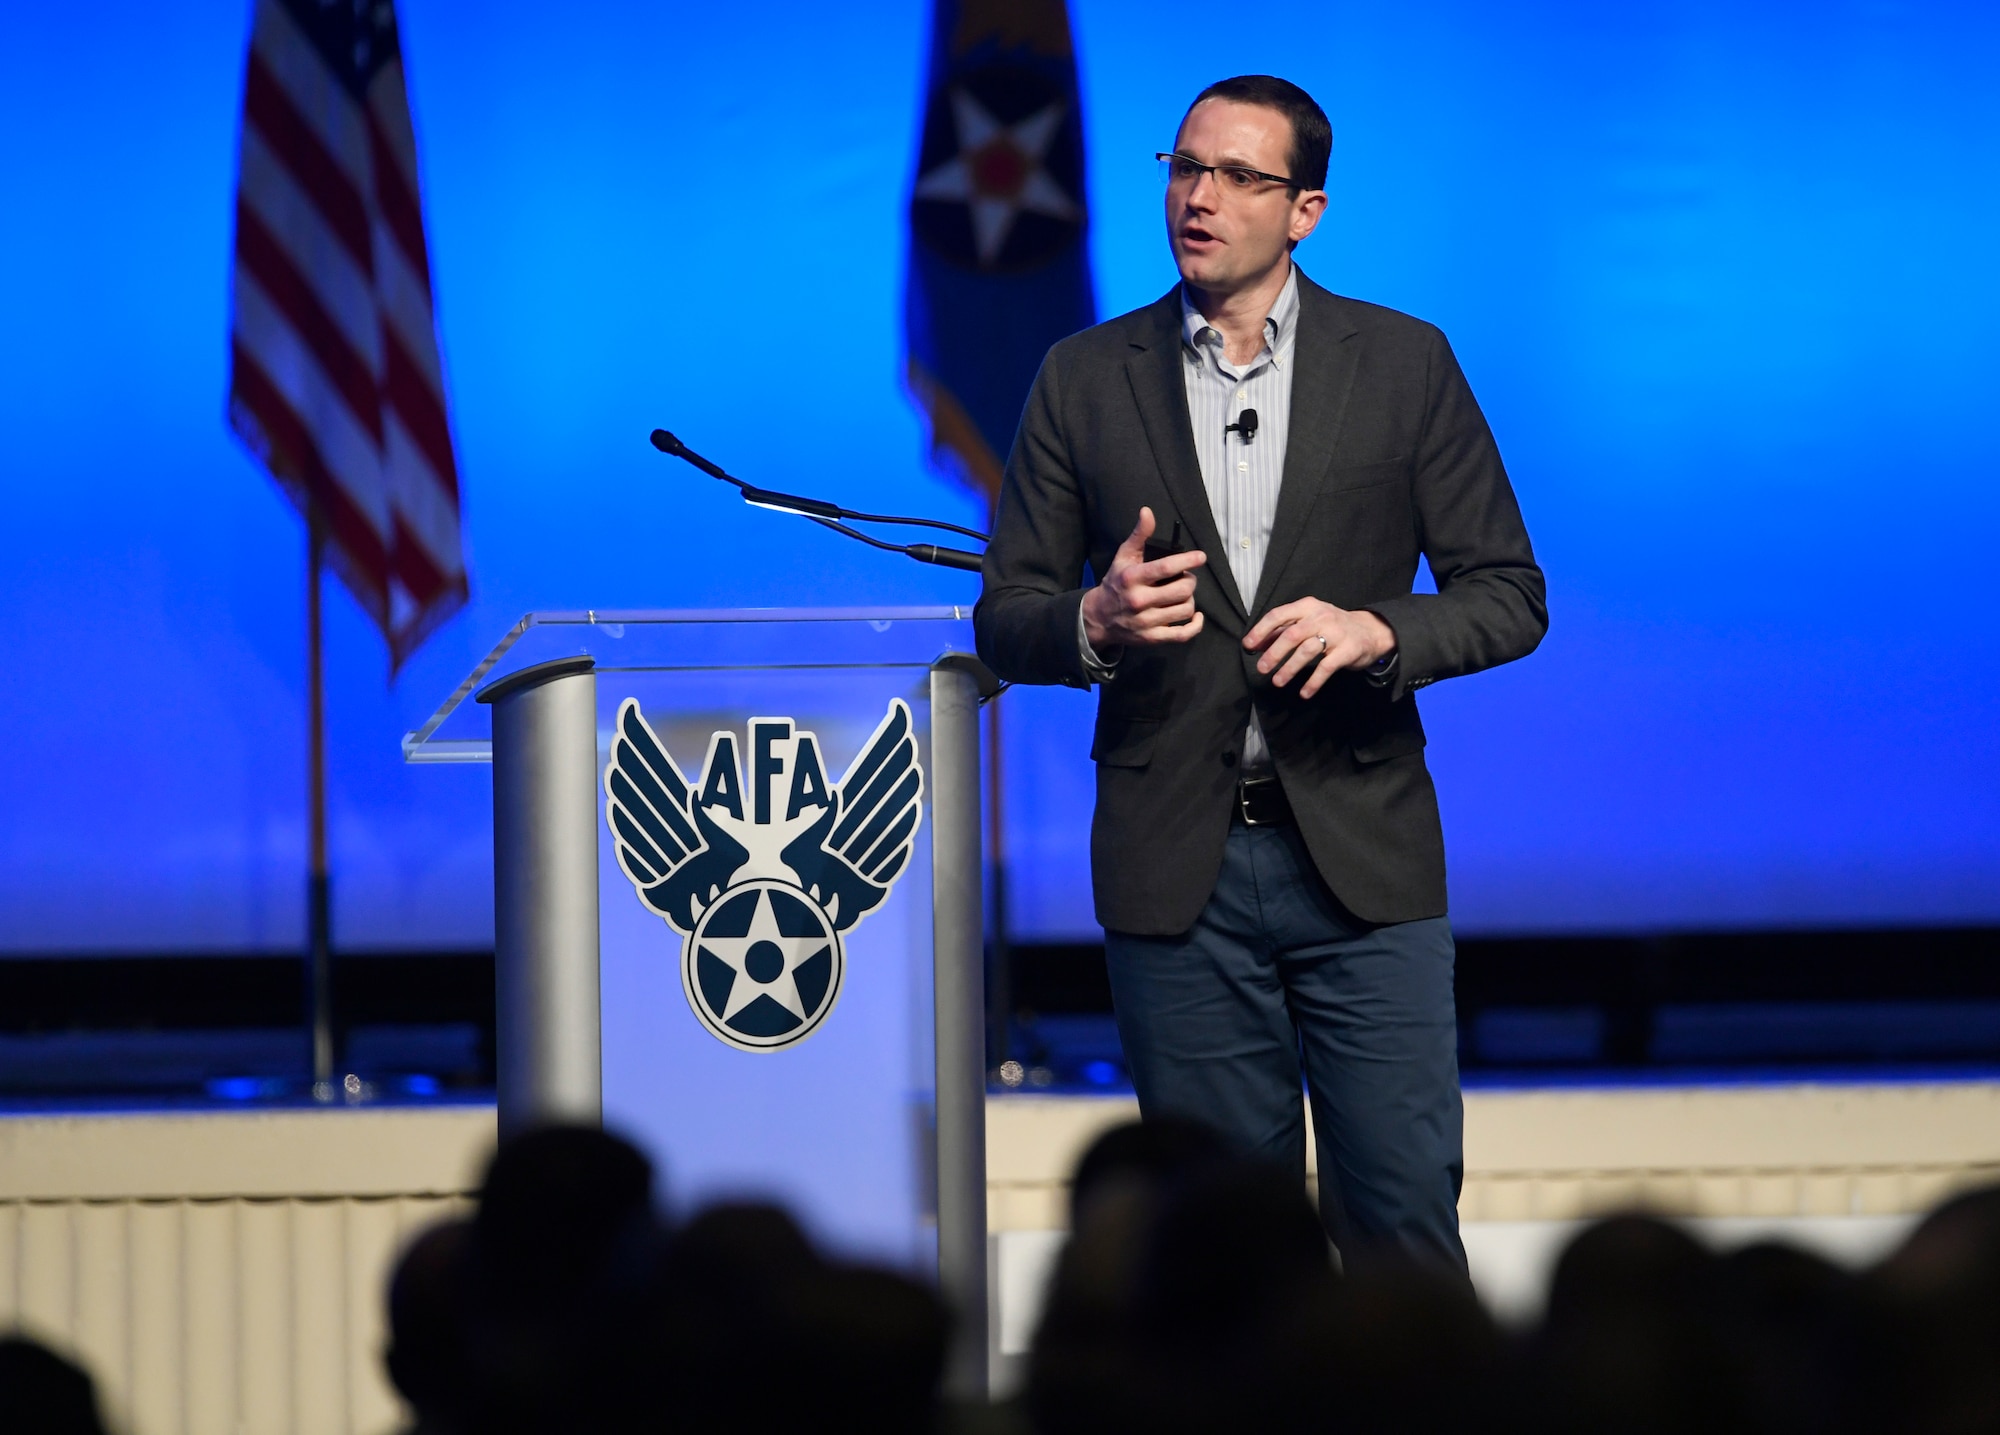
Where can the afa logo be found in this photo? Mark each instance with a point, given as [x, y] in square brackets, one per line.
[763, 869]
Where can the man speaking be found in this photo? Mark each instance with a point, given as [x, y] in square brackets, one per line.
[1252, 466]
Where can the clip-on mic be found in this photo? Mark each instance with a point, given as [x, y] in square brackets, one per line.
[1246, 424]
[828, 515]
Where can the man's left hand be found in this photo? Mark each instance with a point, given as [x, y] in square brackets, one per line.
[1319, 636]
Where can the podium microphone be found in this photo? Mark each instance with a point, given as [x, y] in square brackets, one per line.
[829, 515]
[1246, 424]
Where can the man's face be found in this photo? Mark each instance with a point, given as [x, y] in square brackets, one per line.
[1224, 238]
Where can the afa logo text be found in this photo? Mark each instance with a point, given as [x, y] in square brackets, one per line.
[763, 867]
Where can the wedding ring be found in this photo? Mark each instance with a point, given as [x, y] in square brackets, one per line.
[1322, 643]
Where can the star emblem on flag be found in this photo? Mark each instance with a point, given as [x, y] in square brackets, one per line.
[999, 179]
[998, 172]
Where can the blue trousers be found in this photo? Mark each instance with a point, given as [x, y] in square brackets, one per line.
[1276, 985]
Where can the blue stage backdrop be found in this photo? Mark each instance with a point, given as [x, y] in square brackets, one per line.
[1722, 274]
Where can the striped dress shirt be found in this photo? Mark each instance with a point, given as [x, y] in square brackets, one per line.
[1241, 475]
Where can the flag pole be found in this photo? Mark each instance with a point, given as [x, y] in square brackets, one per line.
[319, 950]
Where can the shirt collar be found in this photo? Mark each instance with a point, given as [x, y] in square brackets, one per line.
[1279, 325]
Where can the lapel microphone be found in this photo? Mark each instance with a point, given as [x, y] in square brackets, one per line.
[1246, 424]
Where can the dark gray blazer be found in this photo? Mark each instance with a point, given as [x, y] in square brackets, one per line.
[1388, 457]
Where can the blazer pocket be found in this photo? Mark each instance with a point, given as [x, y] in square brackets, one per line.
[1124, 742]
[1367, 475]
[1399, 743]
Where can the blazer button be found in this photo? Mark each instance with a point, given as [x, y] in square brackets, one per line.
[1229, 759]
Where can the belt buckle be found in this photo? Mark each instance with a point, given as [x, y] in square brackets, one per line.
[1243, 790]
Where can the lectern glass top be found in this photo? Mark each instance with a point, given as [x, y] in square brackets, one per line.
[689, 640]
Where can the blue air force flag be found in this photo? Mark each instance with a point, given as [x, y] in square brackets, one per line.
[763, 868]
[999, 261]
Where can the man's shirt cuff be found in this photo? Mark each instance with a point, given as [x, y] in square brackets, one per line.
[1099, 670]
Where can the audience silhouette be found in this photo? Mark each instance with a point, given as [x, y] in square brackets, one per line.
[43, 1394]
[1196, 1294]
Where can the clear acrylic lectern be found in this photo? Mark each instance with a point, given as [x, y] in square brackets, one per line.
[738, 909]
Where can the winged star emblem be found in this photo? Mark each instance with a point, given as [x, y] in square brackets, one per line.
[763, 866]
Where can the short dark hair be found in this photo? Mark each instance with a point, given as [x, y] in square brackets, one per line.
[1312, 136]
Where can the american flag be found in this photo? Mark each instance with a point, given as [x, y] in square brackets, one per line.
[335, 382]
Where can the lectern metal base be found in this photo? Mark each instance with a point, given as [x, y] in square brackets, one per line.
[545, 894]
[958, 919]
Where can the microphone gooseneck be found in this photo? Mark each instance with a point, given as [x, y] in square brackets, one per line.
[667, 443]
[792, 503]
[828, 515]
[945, 557]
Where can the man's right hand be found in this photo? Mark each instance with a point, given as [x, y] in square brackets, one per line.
[1141, 602]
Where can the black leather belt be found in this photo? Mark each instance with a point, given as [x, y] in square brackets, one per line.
[1261, 802]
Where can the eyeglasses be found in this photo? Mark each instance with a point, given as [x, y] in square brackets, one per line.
[1180, 169]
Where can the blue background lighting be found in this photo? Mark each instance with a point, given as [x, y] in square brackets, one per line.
[1722, 275]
